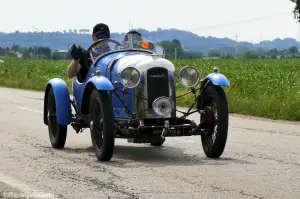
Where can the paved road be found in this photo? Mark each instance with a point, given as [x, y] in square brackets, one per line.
[261, 160]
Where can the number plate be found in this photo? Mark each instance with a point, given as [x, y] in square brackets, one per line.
[168, 132]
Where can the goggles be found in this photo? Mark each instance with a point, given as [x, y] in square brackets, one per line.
[103, 36]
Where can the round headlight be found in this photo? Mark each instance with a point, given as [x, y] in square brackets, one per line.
[162, 106]
[130, 77]
[189, 76]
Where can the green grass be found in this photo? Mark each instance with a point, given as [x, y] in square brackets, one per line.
[266, 88]
[31, 73]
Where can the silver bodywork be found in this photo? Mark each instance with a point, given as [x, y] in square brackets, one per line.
[143, 63]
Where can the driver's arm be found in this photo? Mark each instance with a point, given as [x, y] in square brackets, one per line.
[74, 68]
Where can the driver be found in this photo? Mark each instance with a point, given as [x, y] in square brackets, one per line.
[100, 31]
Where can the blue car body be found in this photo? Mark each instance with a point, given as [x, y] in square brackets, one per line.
[132, 91]
[109, 67]
[81, 90]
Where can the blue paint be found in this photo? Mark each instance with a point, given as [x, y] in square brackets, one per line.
[131, 59]
[218, 79]
[62, 98]
[127, 98]
[101, 83]
[106, 79]
[104, 61]
[78, 89]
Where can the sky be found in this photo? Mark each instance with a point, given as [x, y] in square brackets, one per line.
[202, 17]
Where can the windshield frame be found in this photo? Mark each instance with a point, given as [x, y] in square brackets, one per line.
[97, 42]
[143, 39]
[130, 48]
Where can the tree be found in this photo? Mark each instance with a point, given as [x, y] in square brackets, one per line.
[192, 55]
[45, 51]
[2, 51]
[273, 52]
[170, 48]
[251, 55]
[214, 53]
[177, 42]
[227, 56]
[293, 49]
[15, 47]
[296, 9]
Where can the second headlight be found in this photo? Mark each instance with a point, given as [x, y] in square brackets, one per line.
[189, 76]
[130, 77]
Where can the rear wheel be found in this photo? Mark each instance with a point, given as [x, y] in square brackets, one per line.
[102, 125]
[57, 132]
[216, 121]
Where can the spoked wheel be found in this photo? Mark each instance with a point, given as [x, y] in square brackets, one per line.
[101, 124]
[216, 121]
[57, 132]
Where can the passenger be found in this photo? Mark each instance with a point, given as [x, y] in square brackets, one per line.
[136, 39]
[135, 35]
[100, 31]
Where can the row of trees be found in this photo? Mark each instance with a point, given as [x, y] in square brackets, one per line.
[75, 31]
[173, 49]
[259, 53]
[34, 52]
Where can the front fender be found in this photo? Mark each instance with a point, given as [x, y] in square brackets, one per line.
[62, 99]
[101, 83]
[217, 79]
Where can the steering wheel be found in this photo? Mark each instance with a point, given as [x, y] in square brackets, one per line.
[87, 54]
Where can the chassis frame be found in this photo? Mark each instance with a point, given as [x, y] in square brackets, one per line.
[135, 128]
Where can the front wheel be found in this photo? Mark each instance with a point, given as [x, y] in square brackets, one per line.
[102, 125]
[216, 121]
[158, 142]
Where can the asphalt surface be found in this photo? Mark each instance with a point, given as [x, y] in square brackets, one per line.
[261, 160]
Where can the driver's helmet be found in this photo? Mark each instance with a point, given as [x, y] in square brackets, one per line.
[136, 38]
[101, 31]
[134, 34]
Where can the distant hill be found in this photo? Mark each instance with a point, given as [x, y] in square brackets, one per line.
[189, 40]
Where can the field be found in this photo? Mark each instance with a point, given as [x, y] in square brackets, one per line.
[266, 88]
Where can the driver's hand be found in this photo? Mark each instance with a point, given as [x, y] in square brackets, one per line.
[76, 52]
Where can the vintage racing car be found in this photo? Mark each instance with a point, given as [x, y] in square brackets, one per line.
[130, 92]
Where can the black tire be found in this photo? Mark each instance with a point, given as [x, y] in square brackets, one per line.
[214, 149]
[158, 142]
[102, 133]
[57, 132]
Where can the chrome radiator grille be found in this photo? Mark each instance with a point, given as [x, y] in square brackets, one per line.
[157, 84]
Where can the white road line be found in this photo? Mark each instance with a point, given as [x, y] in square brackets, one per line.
[27, 191]
[29, 109]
